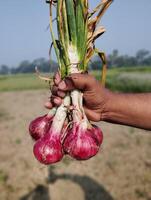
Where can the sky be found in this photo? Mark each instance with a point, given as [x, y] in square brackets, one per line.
[23, 24]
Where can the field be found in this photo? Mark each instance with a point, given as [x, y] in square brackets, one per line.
[121, 170]
[128, 79]
[21, 82]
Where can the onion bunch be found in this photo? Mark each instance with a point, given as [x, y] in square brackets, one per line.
[62, 132]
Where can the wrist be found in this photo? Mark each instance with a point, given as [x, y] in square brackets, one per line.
[116, 110]
[109, 102]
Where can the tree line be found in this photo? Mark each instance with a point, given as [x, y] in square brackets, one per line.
[29, 67]
[142, 58]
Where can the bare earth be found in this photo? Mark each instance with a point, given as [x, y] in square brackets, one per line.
[121, 170]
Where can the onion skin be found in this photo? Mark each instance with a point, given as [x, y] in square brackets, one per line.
[40, 126]
[98, 134]
[48, 149]
[81, 143]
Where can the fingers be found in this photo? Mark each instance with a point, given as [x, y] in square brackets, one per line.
[55, 101]
[48, 105]
[66, 85]
[56, 92]
[77, 81]
[57, 78]
[57, 95]
[74, 81]
[61, 94]
[91, 115]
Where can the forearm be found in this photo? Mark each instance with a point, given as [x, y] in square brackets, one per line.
[129, 109]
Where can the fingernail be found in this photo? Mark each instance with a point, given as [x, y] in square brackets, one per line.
[57, 78]
[61, 94]
[62, 85]
[57, 101]
[56, 81]
[48, 105]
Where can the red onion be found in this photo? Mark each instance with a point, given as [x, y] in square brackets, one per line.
[39, 126]
[81, 143]
[48, 149]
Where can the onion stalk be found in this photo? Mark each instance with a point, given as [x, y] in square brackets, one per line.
[77, 31]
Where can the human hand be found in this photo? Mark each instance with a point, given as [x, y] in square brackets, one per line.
[95, 96]
[102, 104]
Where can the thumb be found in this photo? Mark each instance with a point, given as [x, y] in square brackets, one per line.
[77, 81]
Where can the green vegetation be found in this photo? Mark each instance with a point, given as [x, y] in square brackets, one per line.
[21, 82]
[127, 79]
[3, 177]
[18, 141]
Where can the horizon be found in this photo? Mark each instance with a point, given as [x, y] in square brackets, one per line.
[55, 61]
[24, 35]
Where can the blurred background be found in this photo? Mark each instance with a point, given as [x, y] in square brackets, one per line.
[122, 169]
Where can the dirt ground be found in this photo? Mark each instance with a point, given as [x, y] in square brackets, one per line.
[121, 170]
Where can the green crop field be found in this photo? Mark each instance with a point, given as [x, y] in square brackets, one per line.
[130, 79]
[21, 82]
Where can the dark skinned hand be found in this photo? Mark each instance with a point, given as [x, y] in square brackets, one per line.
[95, 96]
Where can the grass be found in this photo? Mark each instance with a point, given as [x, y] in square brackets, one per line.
[3, 177]
[18, 141]
[127, 79]
[128, 84]
[21, 82]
